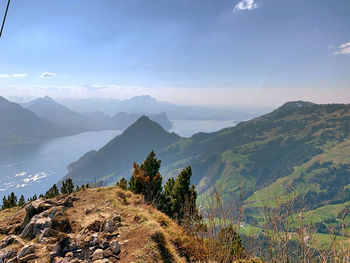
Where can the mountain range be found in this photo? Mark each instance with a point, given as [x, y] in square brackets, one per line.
[60, 115]
[44, 118]
[55, 113]
[298, 149]
[141, 104]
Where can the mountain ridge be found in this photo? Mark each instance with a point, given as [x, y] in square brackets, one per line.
[256, 154]
[143, 136]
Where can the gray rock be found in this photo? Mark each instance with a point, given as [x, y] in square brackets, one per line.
[35, 226]
[115, 247]
[7, 241]
[94, 240]
[27, 258]
[4, 255]
[34, 208]
[66, 201]
[110, 226]
[26, 250]
[46, 234]
[98, 254]
[60, 249]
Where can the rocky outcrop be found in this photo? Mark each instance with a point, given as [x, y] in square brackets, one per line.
[47, 224]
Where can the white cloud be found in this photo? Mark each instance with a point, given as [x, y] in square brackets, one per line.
[20, 185]
[246, 5]
[19, 75]
[34, 178]
[21, 174]
[342, 49]
[47, 75]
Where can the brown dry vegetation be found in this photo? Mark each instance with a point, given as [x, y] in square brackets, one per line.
[145, 234]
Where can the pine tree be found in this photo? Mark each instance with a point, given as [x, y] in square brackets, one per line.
[52, 192]
[12, 198]
[70, 186]
[151, 165]
[147, 180]
[21, 201]
[183, 198]
[67, 186]
[5, 203]
[33, 198]
[123, 184]
[153, 187]
[166, 200]
[135, 185]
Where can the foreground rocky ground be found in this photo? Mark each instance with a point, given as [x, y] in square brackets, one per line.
[95, 225]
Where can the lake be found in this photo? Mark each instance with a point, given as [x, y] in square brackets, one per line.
[33, 169]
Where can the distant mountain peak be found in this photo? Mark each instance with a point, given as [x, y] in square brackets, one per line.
[145, 122]
[143, 98]
[46, 99]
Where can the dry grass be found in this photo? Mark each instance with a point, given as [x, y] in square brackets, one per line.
[146, 235]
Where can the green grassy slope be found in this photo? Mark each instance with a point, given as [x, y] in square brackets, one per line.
[297, 150]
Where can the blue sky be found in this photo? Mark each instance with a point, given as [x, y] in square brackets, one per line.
[250, 52]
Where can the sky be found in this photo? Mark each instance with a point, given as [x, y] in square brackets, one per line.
[238, 53]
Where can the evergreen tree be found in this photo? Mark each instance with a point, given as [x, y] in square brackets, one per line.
[151, 165]
[5, 203]
[123, 184]
[153, 187]
[147, 180]
[52, 192]
[166, 199]
[135, 185]
[181, 192]
[33, 198]
[67, 186]
[10, 201]
[179, 199]
[21, 201]
[12, 198]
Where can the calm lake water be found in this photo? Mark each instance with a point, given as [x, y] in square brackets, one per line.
[33, 169]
